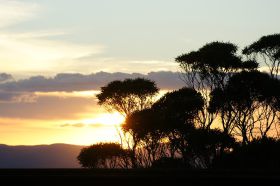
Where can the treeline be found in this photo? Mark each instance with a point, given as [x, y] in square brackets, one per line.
[227, 116]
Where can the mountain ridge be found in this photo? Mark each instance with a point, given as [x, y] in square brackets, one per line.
[58, 155]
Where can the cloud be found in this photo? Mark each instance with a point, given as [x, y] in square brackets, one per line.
[80, 82]
[51, 108]
[78, 125]
[50, 98]
[4, 77]
[21, 52]
[119, 64]
[81, 125]
[13, 12]
[27, 97]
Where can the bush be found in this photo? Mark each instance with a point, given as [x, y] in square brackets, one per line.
[103, 155]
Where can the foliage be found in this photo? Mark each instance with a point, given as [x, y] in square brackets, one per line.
[128, 96]
[179, 108]
[176, 131]
[209, 68]
[260, 154]
[268, 49]
[206, 145]
[249, 97]
[213, 62]
[103, 155]
[144, 126]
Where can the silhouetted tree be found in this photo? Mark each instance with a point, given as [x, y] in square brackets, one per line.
[248, 98]
[209, 68]
[144, 125]
[104, 155]
[260, 154]
[178, 111]
[128, 96]
[205, 146]
[266, 49]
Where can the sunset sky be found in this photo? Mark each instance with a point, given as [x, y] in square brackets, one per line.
[55, 55]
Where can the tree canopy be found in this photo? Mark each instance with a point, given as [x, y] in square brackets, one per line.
[176, 130]
[267, 49]
[179, 107]
[103, 155]
[213, 62]
[128, 96]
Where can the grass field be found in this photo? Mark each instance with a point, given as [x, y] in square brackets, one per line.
[135, 177]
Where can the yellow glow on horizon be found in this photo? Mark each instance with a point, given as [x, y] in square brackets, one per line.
[113, 119]
[87, 94]
[93, 125]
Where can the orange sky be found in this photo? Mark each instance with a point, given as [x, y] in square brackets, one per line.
[58, 117]
[55, 56]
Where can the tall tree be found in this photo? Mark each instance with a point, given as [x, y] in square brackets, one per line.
[178, 111]
[249, 98]
[209, 68]
[127, 97]
[267, 50]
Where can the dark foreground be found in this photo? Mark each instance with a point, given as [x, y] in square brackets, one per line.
[135, 177]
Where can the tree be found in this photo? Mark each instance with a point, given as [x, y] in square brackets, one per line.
[205, 146]
[178, 111]
[144, 125]
[259, 154]
[128, 96]
[103, 155]
[266, 49]
[248, 98]
[209, 68]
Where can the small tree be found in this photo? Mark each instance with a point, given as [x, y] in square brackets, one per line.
[104, 155]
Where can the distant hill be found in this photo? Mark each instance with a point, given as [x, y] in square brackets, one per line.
[39, 156]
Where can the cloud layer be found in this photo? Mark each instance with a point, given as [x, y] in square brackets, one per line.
[79, 82]
[61, 96]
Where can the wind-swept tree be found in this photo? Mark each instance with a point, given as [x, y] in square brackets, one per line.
[267, 51]
[209, 68]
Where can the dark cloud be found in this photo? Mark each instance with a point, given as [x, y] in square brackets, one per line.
[8, 96]
[80, 82]
[5, 77]
[18, 98]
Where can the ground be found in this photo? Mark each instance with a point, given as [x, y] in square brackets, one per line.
[79, 177]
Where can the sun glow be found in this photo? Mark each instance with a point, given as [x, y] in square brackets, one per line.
[106, 119]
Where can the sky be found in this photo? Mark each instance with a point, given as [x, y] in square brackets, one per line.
[55, 56]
